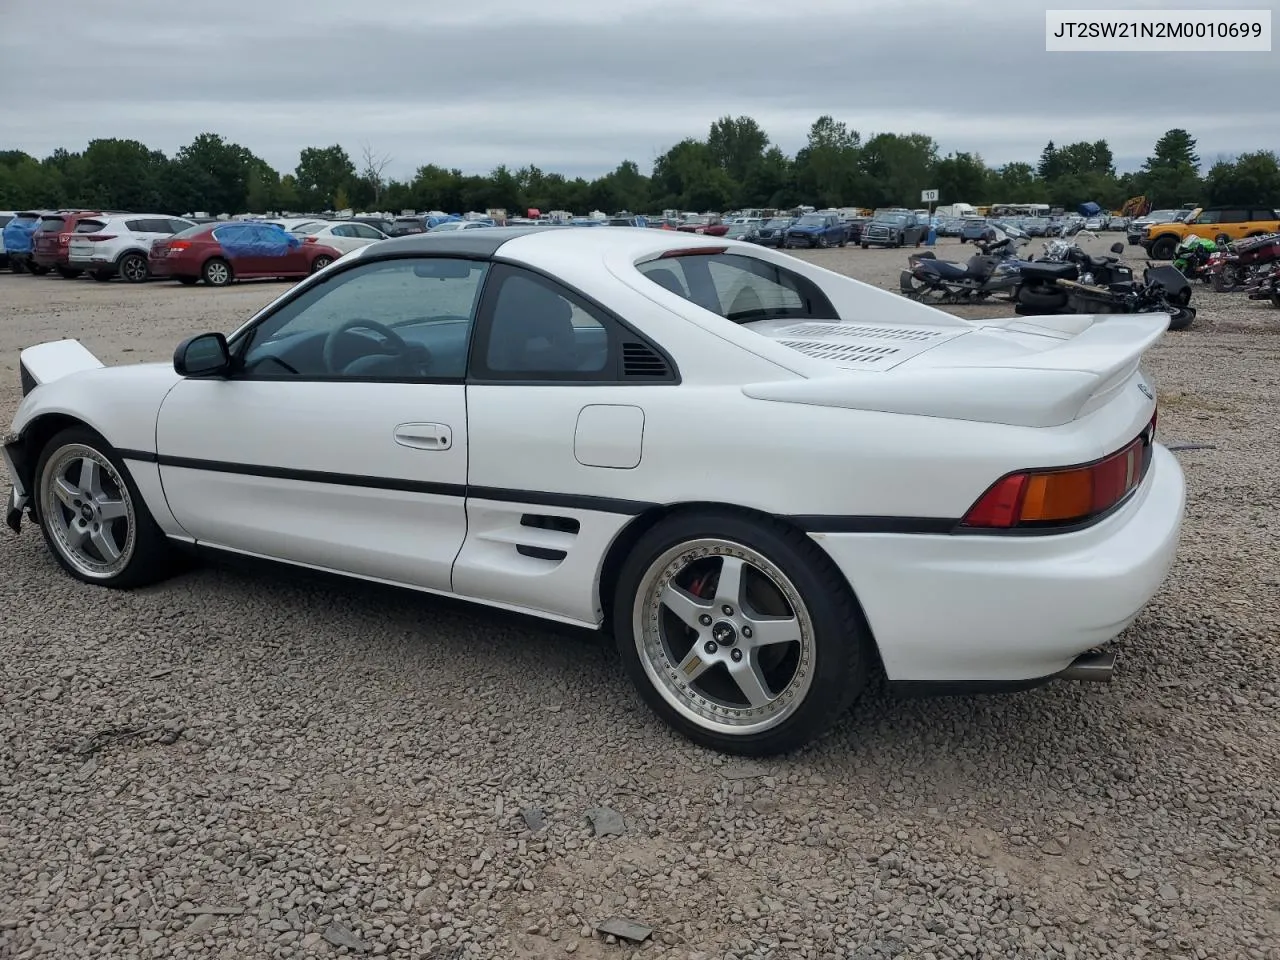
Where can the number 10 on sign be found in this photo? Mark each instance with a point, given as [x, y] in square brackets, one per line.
[928, 196]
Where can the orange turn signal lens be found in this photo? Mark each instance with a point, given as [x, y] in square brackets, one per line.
[1042, 498]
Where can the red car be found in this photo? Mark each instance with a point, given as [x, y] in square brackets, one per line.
[50, 242]
[218, 253]
[711, 226]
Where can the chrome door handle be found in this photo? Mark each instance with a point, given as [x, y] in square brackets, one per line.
[424, 436]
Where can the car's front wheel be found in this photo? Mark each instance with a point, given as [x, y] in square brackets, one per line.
[739, 632]
[93, 518]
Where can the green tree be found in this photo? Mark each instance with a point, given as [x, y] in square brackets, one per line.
[321, 173]
[736, 145]
[961, 177]
[898, 167]
[1049, 167]
[1251, 180]
[124, 175]
[827, 166]
[1171, 175]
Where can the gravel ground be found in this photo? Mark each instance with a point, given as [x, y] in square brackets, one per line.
[300, 762]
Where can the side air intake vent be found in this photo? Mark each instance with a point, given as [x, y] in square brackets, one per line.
[641, 362]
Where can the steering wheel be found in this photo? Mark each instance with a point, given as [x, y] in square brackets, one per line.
[398, 348]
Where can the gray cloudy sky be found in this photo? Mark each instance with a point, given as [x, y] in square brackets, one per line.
[578, 85]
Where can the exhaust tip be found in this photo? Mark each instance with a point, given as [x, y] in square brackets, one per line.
[1095, 666]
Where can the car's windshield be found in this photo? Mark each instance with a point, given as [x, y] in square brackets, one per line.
[778, 222]
[894, 218]
[812, 220]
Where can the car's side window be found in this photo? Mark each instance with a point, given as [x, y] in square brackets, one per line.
[344, 230]
[395, 320]
[1235, 216]
[740, 288]
[365, 232]
[1209, 216]
[534, 329]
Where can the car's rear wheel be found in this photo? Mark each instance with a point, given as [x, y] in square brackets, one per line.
[865, 245]
[188, 281]
[93, 518]
[320, 262]
[37, 269]
[133, 267]
[216, 272]
[68, 273]
[102, 276]
[739, 632]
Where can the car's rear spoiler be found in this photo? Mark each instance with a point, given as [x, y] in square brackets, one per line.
[50, 361]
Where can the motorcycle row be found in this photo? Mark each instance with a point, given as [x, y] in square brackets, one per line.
[1063, 279]
[1251, 265]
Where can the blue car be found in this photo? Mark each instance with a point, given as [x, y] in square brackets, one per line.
[16, 239]
[817, 230]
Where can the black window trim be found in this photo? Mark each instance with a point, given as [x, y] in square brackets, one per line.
[479, 374]
[239, 342]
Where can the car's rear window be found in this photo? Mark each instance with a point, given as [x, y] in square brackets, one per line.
[191, 232]
[51, 224]
[307, 229]
[88, 226]
[4, 219]
[739, 288]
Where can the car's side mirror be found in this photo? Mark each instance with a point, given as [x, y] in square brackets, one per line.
[204, 355]
[1117, 248]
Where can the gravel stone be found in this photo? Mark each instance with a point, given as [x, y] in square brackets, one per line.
[340, 749]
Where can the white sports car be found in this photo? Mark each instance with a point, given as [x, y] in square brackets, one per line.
[766, 479]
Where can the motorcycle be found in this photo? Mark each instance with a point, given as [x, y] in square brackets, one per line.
[1266, 286]
[1163, 290]
[1192, 256]
[1041, 288]
[1242, 261]
[993, 269]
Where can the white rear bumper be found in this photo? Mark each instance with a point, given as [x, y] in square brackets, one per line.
[1008, 608]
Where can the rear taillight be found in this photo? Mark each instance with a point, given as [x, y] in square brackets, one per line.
[64, 239]
[98, 236]
[177, 245]
[308, 239]
[1064, 496]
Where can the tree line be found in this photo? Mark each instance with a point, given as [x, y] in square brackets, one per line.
[735, 166]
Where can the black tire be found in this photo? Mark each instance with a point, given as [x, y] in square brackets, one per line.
[1275, 300]
[1041, 300]
[1181, 317]
[102, 276]
[149, 554]
[38, 270]
[841, 645]
[1163, 248]
[68, 273]
[133, 268]
[188, 281]
[865, 245]
[216, 272]
[844, 243]
[320, 262]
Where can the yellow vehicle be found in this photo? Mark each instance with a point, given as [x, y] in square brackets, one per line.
[1211, 223]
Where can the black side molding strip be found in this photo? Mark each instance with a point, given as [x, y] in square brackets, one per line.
[816, 523]
[543, 498]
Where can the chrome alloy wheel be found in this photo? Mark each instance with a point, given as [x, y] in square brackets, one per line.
[217, 273]
[724, 636]
[88, 511]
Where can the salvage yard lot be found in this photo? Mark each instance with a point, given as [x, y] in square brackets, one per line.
[313, 753]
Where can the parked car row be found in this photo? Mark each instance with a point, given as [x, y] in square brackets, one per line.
[141, 246]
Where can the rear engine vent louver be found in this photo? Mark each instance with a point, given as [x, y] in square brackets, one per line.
[641, 362]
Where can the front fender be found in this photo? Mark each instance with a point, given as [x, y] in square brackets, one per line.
[63, 381]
